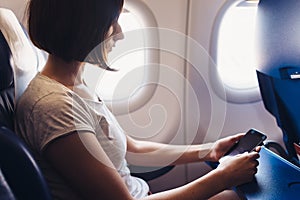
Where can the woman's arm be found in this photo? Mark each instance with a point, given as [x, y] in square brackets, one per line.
[232, 172]
[85, 166]
[82, 162]
[157, 154]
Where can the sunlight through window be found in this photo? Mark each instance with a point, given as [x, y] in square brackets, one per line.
[235, 51]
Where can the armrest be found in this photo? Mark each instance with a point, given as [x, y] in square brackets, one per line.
[274, 146]
[149, 173]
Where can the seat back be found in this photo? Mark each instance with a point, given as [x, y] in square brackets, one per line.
[281, 98]
[5, 191]
[19, 168]
[18, 65]
[6, 85]
[278, 53]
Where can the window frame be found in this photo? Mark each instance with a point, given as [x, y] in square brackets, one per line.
[231, 95]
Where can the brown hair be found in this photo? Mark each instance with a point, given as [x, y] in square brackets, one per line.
[71, 29]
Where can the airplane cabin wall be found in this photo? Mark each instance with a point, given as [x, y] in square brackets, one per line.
[233, 118]
[167, 104]
[185, 100]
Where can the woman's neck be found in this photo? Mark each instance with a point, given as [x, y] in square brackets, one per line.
[66, 73]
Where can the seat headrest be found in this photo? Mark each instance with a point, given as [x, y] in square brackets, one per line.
[277, 36]
[24, 58]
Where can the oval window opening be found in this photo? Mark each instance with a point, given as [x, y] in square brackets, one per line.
[232, 50]
[235, 50]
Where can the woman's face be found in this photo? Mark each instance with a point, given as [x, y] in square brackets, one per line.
[114, 34]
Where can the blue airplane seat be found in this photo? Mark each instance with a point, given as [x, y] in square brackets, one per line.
[20, 177]
[6, 85]
[6, 105]
[19, 169]
[281, 98]
[278, 67]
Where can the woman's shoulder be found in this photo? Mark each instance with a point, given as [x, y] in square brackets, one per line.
[43, 90]
[42, 85]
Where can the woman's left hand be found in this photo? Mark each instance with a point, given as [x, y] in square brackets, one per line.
[221, 146]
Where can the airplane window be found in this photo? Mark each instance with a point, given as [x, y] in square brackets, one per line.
[235, 51]
[235, 48]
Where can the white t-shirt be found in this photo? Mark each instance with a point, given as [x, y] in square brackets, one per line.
[48, 110]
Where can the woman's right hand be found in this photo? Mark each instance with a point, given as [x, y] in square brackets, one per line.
[239, 169]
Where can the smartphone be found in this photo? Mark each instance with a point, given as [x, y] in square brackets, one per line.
[247, 143]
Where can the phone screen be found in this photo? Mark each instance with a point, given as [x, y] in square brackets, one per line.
[247, 143]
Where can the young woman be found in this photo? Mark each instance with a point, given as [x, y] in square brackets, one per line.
[76, 140]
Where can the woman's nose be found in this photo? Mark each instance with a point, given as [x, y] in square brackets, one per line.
[118, 33]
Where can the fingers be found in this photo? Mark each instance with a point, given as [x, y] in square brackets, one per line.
[257, 149]
[253, 155]
[238, 136]
[253, 167]
[253, 162]
[242, 167]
